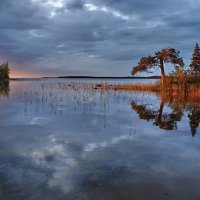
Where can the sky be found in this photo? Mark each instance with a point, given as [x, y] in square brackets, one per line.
[93, 37]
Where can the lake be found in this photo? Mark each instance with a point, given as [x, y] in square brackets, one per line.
[64, 139]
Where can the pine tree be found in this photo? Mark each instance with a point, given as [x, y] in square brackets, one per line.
[195, 61]
[167, 55]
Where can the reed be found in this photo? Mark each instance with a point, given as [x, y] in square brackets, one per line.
[151, 87]
[173, 88]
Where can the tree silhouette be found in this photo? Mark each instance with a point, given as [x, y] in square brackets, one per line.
[167, 55]
[195, 61]
[4, 71]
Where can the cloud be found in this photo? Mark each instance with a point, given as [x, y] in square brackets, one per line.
[75, 5]
[93, 36]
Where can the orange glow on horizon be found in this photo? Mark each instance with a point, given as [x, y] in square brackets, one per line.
[28, 74]
[15, 72]
[24, 74]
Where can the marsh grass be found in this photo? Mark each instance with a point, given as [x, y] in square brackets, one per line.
[91, 96]
[154, 87]
[174, 90]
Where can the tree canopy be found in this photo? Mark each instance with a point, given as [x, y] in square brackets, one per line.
[195, 62]
[167, 55]
[4, 71]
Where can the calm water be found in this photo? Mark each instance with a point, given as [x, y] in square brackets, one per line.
[62, 139]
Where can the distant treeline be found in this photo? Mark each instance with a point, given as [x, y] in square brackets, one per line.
[109, 77]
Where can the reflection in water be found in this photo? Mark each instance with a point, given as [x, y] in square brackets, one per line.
[61, 140]
[56, 98]
[174, 111]
[194, 118]
[4, 88]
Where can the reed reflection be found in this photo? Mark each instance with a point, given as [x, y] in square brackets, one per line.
[4, 88]
[170, 112]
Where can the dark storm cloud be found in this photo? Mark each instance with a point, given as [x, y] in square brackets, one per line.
[74, 5]
[94, 36]
[21, 14]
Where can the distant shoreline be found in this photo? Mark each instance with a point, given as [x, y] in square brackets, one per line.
[109, 77]
[90, 77]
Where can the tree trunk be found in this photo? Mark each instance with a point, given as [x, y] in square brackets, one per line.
[160, 111]
[162, 72]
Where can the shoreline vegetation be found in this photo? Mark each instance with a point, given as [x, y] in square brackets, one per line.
[173, 90]
[4, 72]
[4, 79]
[188, 86]
[184, 81]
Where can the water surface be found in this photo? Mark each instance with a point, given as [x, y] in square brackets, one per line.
[64, 139]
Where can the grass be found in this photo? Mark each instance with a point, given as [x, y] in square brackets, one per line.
[191, 90]
[154, 87]
[151, 87]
